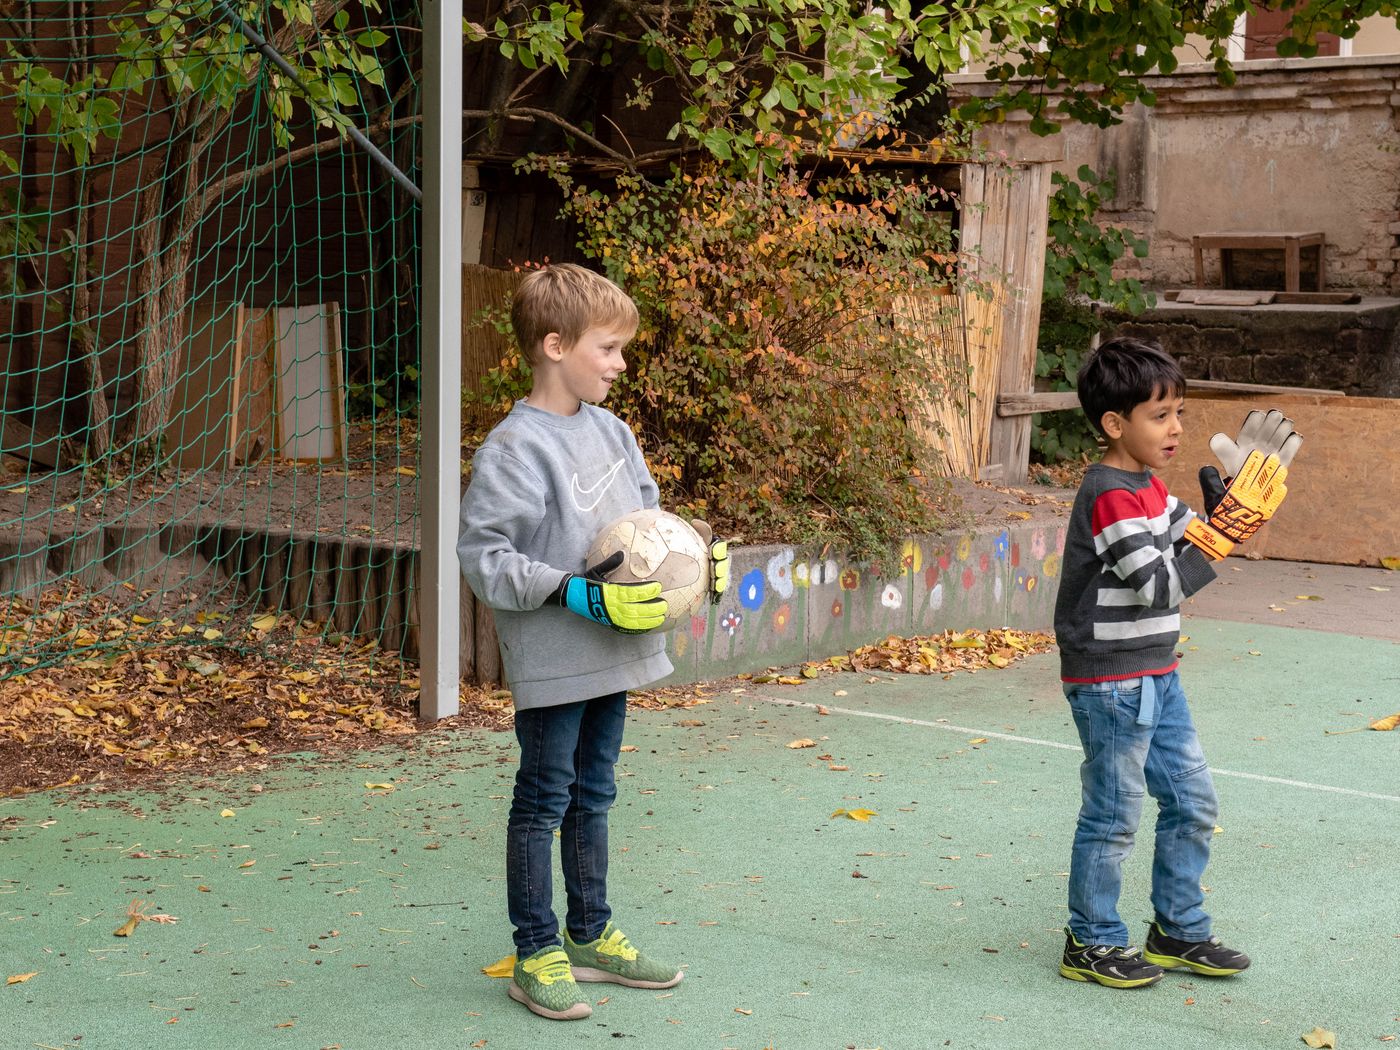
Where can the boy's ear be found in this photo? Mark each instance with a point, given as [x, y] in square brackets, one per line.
[553, 346]
[1112, 424]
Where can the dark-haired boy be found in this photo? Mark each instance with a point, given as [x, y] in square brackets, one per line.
[1132, 553]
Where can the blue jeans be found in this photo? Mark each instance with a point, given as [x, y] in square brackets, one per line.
[1121, 758]
[565, 781]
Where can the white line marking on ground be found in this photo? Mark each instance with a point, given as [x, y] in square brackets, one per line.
[1305, 784]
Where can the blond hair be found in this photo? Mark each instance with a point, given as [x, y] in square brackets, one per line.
[567, 299]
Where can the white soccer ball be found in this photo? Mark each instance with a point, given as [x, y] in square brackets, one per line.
[657, 545]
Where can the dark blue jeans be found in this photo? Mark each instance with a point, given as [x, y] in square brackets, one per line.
[565, 781]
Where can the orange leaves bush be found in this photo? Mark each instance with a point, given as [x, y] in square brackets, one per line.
[770, 387]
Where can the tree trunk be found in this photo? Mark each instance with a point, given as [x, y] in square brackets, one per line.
[168, 216]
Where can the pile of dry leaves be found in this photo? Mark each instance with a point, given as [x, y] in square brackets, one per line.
[145, 696]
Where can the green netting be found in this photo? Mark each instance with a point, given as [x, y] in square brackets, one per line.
[209, 307]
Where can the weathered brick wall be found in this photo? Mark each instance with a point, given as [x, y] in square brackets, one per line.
[1353, 349]
[1296, 144]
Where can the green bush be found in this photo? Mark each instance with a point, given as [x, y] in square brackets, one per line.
[1079, 262]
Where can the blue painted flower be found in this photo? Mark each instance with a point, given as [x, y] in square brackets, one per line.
[751, 589]
[1003, 545]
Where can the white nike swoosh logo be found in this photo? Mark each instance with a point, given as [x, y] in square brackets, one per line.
[600, 486]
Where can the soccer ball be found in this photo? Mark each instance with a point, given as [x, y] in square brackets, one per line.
[657, 545]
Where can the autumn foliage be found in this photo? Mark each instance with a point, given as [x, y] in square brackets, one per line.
[770, 388]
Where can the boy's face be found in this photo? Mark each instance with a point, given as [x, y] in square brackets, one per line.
[589, 367]
[1148, 437]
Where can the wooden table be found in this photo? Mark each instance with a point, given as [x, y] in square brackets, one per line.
[1291, 244]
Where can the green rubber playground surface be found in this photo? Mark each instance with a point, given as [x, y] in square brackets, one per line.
[331, 911]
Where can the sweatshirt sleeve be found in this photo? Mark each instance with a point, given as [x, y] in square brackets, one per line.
[651, 494]
[504, 505]
[1124, 542]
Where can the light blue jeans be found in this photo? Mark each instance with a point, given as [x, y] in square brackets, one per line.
[1134, 744]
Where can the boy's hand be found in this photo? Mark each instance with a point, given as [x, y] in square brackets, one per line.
[1268, 432]
[628, 608]
[719, 559]
[1251, 500]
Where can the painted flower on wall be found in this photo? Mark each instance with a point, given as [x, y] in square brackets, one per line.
[801, 575]
[964, 548]
[891, 597]
[850, 580]
[967, 579]
[780, 573]
[697, 627]
[1002, 546]
[751, 589]
[1038, 544]
[730, 621]
[935, 597]
[837, 609]
[781, 618]
[911, 556]
[1051, 566]
[823, 572]
[931, 575]
[984, 562]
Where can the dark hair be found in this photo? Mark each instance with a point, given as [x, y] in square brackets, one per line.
[1122, 374]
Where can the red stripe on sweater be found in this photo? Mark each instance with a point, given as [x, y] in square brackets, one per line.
[1117, 504]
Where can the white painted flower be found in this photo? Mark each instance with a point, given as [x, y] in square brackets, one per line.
[935, 597]
[997, 590]
[825, 572]
[801, 575]
[780, 572]
[891, 597]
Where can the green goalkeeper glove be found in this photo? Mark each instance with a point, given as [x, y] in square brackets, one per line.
[628, 608]
[1251, 500]
[719, 559]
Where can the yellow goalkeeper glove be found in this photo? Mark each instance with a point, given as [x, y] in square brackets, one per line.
[719, 559]
[1251, 500]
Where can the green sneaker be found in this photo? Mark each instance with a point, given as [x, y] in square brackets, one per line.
[543, 984]
[612, 958]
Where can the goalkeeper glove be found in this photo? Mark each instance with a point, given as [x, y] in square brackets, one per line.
[1269, 432]
[628, 608]
[719, 560]
[1251, 500]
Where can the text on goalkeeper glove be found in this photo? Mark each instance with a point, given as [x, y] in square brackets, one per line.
[1251, 499]
[628, 608]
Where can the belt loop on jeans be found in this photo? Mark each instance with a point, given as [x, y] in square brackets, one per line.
[1147, 706]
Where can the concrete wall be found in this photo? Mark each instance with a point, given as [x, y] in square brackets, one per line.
[1297, 144]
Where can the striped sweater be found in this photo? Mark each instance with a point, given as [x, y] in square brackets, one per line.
[1126, 568]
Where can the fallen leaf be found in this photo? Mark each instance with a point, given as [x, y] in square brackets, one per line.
[501, 967]
[741, 1010]
[226, 813]
[978, 740]
[803, 742]
[408, 472]
[20, 978]
[1391, 563]
[379, 787]
[856, 814]
[265, 623]
[1378, 589]
[1308, 597]
[629, 748]
[1319, 1038]
[1387, 723]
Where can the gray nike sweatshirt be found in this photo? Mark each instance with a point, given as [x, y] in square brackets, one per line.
[542, 487]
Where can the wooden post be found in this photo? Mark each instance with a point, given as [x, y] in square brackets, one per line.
[1004, 223]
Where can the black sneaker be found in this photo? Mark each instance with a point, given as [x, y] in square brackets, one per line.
[1209, 957]
[1109, 964]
